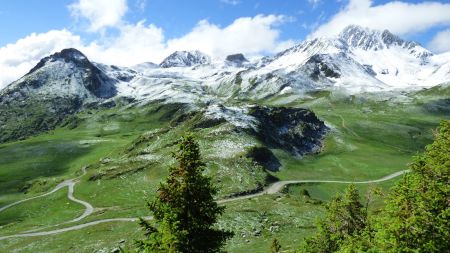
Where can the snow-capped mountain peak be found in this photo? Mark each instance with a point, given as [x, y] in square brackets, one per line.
[66, 55]
[185, 59]
[369, 39]
[68, 73]
[357, 60]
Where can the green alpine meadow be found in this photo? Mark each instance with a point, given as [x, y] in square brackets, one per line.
[224, 126]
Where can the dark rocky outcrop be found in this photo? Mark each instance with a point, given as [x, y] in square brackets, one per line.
[321, 66]
[297, 131]
[236, 59]
[264, 157]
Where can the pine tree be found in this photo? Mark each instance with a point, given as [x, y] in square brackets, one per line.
[345, 217]
[184, 209]
[417, 216]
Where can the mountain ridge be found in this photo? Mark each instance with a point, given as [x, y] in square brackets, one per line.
[185, 59]
[366, 38]
[358, 46]
[359, 60]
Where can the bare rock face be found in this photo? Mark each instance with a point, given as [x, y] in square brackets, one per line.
[236, 59]
[368, 39]
[322, 66]
[295, 130]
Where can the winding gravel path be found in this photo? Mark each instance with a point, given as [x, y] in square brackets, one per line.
[277, 186]
[272, 189]
[88, 207]
[76, 227]
[59, 186]
[70, 183]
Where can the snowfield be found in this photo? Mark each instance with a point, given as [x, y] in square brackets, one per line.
[358, 60]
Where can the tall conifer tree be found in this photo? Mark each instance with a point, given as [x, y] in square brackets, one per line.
[184, 208]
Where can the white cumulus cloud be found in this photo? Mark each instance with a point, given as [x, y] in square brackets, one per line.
[441, 42]
[100, 14]
[137, 43]
[18, 58]
[399, 17]
[248, 35]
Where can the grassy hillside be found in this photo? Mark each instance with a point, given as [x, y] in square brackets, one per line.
[126, 151]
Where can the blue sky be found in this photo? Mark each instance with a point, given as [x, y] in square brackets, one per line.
[127, 32]
[19, 18]
[175, 17]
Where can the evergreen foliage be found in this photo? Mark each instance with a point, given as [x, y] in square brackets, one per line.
[416, 217]
[345, 217]
[184, 209]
